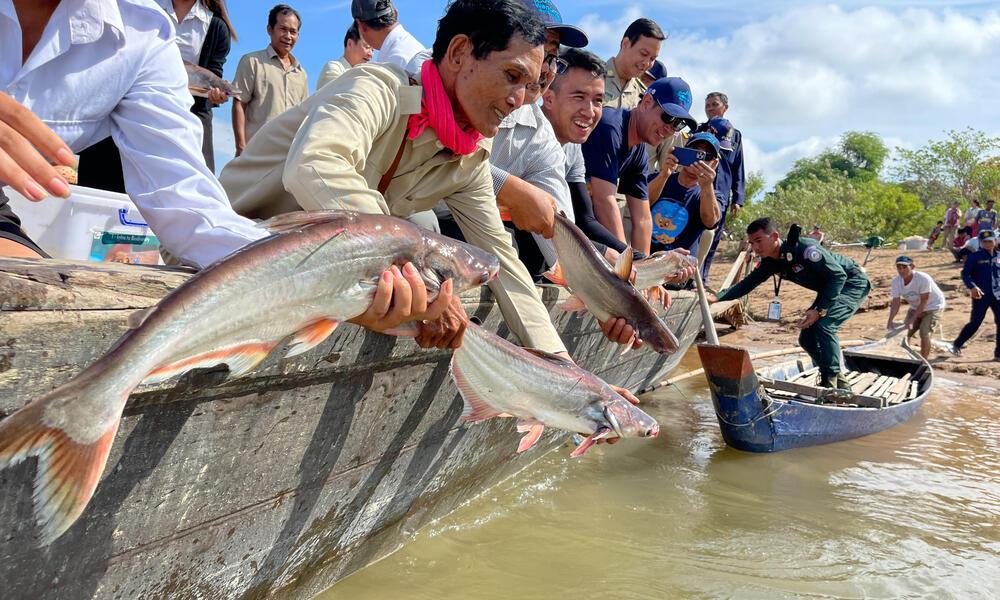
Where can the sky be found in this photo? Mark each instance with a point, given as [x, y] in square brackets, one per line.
[798, 74]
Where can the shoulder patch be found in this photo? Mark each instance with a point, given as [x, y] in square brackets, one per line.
[812, 254]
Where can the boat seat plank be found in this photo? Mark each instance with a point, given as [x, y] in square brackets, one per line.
[863, 382]
[810, 393]
[897, 392]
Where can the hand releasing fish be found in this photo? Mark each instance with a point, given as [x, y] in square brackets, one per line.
[651, 271]
[604, 292]
[497, 379]
[201, 80]
[321, 270]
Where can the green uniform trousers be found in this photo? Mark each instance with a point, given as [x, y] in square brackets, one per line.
[820, 339]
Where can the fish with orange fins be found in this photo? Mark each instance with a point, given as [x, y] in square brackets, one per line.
[321, 269]
[604, 291]
[498, 379]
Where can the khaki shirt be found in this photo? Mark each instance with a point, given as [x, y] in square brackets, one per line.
[332, 70]
[267, 88]
[331, 152]
[617, 96]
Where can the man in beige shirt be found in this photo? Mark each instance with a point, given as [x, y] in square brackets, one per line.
[348, 146]
[270, 80]
[639, 47]
[356, 51]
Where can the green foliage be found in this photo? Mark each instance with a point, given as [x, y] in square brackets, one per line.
[961, 166]
[859, 156]
[753, 187]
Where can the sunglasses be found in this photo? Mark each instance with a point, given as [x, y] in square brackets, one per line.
[556, 66]
[678, 123]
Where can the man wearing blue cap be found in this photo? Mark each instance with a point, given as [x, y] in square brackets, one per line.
[925, 298]
[981, 274]
[687, 204]
[616, 158]
[729, 172]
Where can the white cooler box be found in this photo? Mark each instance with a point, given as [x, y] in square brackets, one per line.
[89, 225]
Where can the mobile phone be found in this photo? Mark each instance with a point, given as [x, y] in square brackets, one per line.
[688, 156]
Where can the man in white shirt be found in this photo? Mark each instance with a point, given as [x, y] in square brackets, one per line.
[356, 51]
[924, 297]
[378, 22]
[100, 68]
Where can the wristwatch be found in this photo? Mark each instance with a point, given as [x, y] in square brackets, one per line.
[821, 312]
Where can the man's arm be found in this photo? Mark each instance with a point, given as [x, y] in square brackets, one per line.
[475, 212]
[531, 208]
[739, 177]
[747, 284]
[642, 223]
[322, 170]
[893, 309]
[602, 194]
[244, 82]
[178, 196]
[967, 274]
[331, 71]
[709, 209]
[833, 275]
[587, 222]
[919, 310]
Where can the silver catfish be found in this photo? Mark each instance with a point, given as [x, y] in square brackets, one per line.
[498, 379]
[604, 292]
[320, 270]
[652, 270]
[201, 80]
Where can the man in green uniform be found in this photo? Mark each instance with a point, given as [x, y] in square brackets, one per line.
[841, 283]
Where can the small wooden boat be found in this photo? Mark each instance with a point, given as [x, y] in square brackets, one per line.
[273, 485]
[782, 407]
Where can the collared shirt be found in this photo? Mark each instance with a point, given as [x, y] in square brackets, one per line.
[920, 284]
[526, 147]
[951, 217]
[576, 168]
[332, 151]
[609, 157]
[399, 47]
[111, 67]
[617, 95]
[332, 70]
[267, 88]
[191, 31]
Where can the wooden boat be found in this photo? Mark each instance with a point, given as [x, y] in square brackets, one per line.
[781, 407]
[274, 485]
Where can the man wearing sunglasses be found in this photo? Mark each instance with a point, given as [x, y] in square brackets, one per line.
[616, 157]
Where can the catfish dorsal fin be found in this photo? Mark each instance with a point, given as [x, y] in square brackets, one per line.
[623, 266]
[549, 356]
[299, 219]
[136, 319]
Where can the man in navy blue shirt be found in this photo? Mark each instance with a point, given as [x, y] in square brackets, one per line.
[981, 274]
[616, 158]
[687, 204]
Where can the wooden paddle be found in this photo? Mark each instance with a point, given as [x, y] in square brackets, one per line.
[706, 312]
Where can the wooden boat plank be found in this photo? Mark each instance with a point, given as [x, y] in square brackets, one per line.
[878, 383]
[863, 382]
[896, 394]
[812, 392]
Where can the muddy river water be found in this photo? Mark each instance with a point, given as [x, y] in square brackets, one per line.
[912, 512]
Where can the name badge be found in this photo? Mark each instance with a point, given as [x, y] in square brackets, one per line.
[774, 310]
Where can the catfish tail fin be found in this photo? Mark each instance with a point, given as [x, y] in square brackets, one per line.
[67, 471]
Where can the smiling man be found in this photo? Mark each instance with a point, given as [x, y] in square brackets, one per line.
[374, 141]
[270, 80]
[616, 157]
[637, 53]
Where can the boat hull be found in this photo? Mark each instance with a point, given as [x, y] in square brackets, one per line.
[752, 420]
[276, 484]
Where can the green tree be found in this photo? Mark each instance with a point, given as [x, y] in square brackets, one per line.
[858, 156]
[961, 166]
[754, 187]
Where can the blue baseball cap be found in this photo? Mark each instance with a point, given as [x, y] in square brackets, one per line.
[721, 129]
[987, 234]
[657, 71]
[904, 260]
[673, 94]
[571, 36]
[704, 136]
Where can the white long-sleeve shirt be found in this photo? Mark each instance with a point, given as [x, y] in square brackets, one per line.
[112, 67]
[399, 47]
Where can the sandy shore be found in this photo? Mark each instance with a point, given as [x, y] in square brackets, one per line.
[869, 322]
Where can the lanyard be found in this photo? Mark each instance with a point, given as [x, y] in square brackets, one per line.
[777, 284]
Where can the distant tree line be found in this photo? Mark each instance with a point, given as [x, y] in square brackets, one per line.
[851, 193]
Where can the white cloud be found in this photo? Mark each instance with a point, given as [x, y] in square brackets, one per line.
[800, 78]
